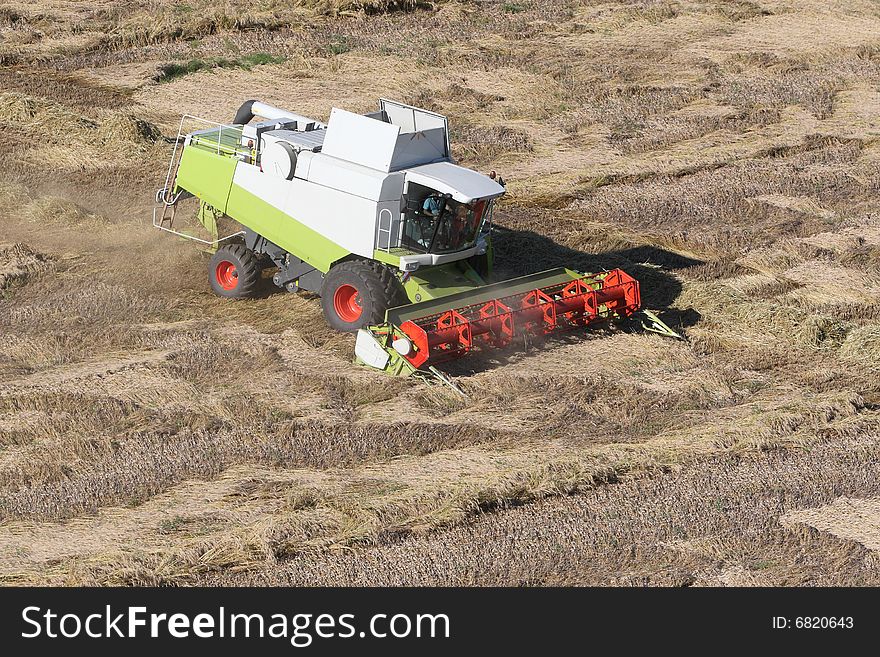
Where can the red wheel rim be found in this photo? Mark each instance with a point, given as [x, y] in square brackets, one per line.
[227, 275]
[345, 303]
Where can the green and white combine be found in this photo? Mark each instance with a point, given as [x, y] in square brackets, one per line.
[370, 212]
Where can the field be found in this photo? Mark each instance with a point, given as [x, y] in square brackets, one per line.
[725, 153]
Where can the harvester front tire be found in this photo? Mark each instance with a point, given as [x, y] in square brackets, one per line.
[234, 272]
[357, 294]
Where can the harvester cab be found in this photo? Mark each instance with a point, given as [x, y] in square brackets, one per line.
[370, 212]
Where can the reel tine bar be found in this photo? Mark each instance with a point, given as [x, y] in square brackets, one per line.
[583, 301]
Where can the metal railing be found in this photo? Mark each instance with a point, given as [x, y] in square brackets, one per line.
[385, 216]
[181, 138]
[166, 200]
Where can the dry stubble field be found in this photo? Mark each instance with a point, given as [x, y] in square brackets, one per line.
[724, 153]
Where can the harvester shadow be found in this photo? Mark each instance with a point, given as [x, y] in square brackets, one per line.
[519, 253]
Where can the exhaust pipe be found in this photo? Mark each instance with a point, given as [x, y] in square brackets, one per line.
[251, 108]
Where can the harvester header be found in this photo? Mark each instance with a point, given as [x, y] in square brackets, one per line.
[370, 212]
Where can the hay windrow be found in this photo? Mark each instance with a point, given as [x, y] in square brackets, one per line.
[862, 345]
[19, 263]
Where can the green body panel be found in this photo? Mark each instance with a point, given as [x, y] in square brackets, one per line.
[208, 216]
[282, 229]
[387, 258]
[206, 174]
[479, 294]
[441, 280]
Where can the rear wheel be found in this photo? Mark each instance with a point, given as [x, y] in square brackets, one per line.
[234, 272]
[357, 294]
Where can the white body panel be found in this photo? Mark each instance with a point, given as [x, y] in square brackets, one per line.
[369, 141]
[411, 119]
[360, 139]
[428, 259]
[348, 220]
[424, 135]
[354, 178]
[418, 148]
[303, 164]
[369, 350]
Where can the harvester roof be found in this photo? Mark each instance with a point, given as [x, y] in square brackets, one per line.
[464, 185]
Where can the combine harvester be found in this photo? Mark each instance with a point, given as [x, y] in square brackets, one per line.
[370, 212]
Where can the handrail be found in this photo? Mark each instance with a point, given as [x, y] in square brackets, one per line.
[181, 134]
[164, 196]
[381, 230]
[158, 220]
